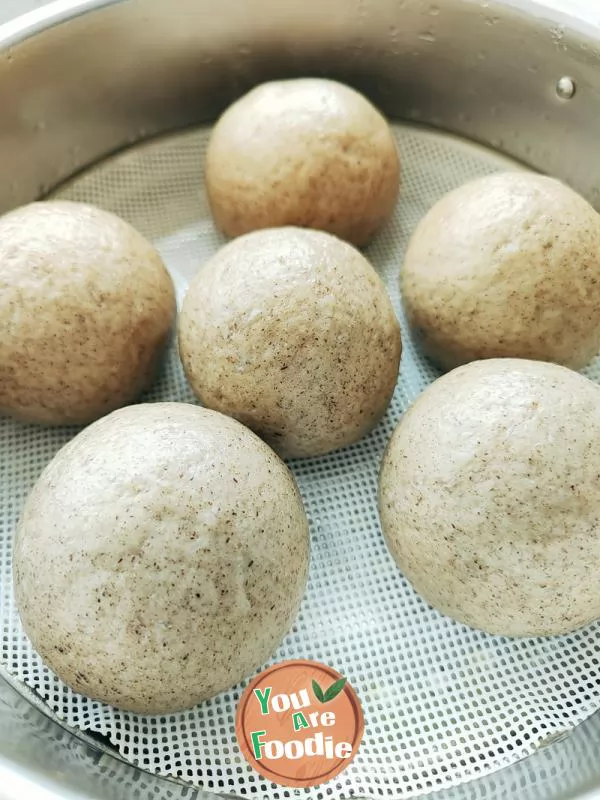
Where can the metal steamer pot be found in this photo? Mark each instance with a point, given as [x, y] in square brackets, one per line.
[82, 79]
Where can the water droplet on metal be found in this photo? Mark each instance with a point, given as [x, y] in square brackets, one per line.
[427, 37]
[434, 11]
[395, 39]
[565, 87]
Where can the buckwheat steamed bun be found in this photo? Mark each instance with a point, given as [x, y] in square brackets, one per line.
[161, 557]
[308, 152]
[489, 497]
[507, 265]
[292, 332]
[86, 307]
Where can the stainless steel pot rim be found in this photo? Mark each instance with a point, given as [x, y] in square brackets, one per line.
[59, 11]
[27, 25]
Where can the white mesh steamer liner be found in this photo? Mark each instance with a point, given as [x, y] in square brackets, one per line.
[442, 703]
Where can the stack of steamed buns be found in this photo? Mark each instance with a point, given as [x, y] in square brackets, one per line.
[163, 553]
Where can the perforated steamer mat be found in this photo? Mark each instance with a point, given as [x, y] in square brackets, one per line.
[443, 704]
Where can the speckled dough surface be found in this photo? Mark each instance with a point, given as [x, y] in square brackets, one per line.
[308, 152]
[292, 332]
[443, 703]
[86, 307]
[490, 497]
[175, 553]
[506, 266]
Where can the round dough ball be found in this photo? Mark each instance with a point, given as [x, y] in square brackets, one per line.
[175, 551]
[292, 332]
[308, 152]
[86, 307]
[506, 266]
[490, 497]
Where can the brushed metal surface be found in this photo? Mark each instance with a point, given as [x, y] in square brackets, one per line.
[489, 71]
[76, 86]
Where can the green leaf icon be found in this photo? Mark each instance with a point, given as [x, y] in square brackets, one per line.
[331, 693]
[334, 690]
[318, 692]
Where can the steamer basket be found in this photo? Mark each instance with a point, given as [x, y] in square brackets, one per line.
[111, 102]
